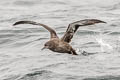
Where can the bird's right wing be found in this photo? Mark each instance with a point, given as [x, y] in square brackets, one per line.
[52, 32]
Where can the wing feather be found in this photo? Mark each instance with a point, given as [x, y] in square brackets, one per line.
[52, 32]
[73, 27]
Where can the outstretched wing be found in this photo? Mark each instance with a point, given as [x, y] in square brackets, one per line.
[72, 28]
[52, 32]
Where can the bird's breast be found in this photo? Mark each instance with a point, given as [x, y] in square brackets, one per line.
[60, 46]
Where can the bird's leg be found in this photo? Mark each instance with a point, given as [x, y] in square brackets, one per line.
[73, 52]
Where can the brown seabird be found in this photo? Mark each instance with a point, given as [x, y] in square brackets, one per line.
[62, 45]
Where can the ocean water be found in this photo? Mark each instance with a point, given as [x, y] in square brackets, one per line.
[21, 57]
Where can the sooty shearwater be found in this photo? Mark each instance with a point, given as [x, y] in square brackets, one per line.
[62, 45]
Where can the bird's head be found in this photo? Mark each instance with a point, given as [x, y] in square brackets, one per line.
[48, 45]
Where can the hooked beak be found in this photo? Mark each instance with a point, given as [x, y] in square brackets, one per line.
[45, 47]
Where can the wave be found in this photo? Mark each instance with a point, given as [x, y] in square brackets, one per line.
[107, 77]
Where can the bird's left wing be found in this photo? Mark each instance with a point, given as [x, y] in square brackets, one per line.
[72, 28]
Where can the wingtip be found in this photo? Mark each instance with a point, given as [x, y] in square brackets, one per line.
[19, 22]
[97, 21]
[16, 23]
[94, 21]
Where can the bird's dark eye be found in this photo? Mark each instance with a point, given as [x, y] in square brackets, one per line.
[45, 44]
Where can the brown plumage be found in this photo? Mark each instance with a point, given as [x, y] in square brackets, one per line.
[62, 45]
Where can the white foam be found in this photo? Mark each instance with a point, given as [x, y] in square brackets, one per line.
[104, 45]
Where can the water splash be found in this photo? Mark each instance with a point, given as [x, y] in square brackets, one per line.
[104, 45]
